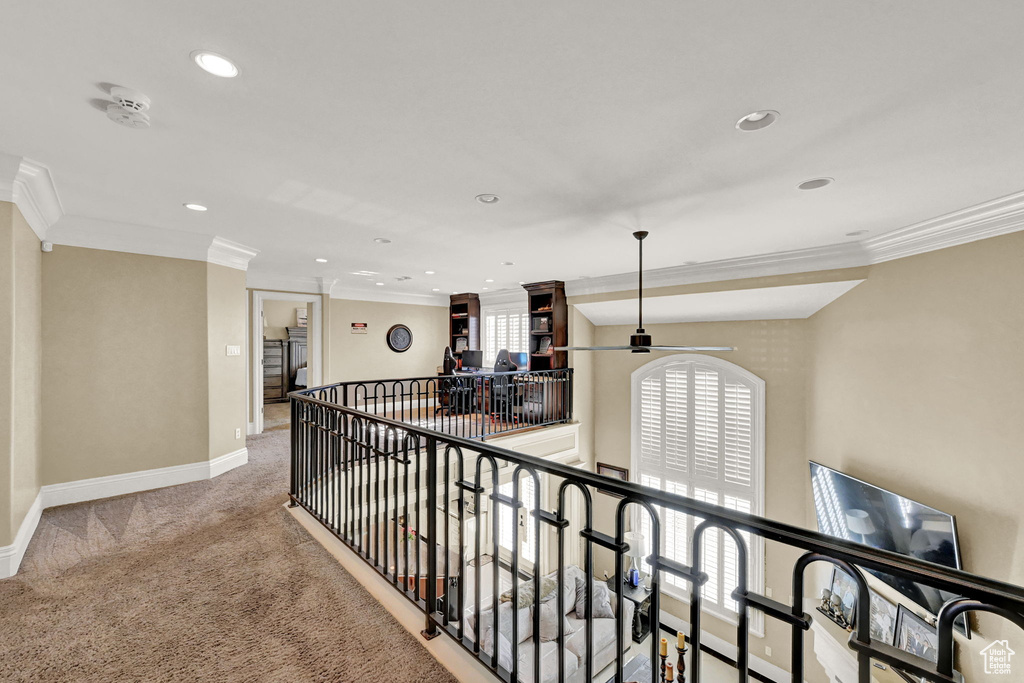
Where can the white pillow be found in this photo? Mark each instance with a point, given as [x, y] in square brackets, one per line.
[601, 601]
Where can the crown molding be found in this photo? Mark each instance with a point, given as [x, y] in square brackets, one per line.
[29, 186]
[89, 233]
[504, 297]
[321, 285]
[848, 255]
[224, 252]
[989, 219]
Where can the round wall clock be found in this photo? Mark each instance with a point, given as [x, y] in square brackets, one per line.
[399, 338]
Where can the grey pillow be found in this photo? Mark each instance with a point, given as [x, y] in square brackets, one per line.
[548, 584]
[601, 601]
[549, 621]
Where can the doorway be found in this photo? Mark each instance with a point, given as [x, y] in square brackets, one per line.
[287, 352]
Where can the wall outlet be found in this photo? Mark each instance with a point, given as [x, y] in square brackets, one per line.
[767, 592]
[767, 651]
[238, 433]
[231, 350]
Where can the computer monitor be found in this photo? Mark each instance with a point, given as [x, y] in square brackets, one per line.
[472, 359]
[520, 359]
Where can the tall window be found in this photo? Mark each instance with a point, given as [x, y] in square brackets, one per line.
[505, 328]
[524, 519]
[698, 431]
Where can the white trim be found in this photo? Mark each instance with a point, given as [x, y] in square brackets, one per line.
[11, 555]
[504, 297]
[104, 487]
[320, 285]
[133, 482]
[314, 346]
[224, 252]
[30, 187]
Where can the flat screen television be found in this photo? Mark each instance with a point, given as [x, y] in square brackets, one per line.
[855, 510]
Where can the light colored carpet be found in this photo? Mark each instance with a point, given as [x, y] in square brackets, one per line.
[277, 416]
[210, 581]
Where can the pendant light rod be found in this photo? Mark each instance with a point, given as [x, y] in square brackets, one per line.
[640, 235]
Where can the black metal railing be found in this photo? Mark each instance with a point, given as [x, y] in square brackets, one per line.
[470, 405]
[405, 497]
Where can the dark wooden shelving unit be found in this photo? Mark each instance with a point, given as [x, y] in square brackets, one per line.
[549, 319]
[464, 321]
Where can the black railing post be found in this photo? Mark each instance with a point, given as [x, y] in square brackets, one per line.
[431, 599]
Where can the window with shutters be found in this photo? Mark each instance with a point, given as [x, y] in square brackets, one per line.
[524, 518]
[505, 328]
[698, 431]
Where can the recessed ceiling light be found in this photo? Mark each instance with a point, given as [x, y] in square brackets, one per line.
[488, 280]
[815, 183]
[435, 289]
[195, 207]
[365, 273]
[428, 272]
[488, 198]
[454, 292]
[382, 240]
[484, 289]
[379, 284]
[522, 283]
[757, 120]
[321, 260]
[215, 64]
[856, 233]
[507, 263]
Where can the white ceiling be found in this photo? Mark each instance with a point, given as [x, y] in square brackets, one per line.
[590, 118]
[789, 302]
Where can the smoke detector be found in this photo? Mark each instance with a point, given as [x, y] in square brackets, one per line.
[129, 108]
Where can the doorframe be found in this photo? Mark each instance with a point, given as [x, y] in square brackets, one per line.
[314, 346]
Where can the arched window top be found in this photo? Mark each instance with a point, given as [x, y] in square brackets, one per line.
[660, 364]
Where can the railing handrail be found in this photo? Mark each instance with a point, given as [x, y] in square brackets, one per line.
[954, 580]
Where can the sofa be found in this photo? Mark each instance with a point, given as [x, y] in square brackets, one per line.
[575, 629]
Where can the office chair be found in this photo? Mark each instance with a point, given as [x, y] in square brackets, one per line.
[504, 389]
[455, 394]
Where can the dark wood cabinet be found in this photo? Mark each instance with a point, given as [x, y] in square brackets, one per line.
[549, 324]
[464, 322]
[281, 360]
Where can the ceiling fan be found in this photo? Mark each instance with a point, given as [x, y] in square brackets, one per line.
[641, 341]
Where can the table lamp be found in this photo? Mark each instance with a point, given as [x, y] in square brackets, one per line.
[635, 539]
[859, 522]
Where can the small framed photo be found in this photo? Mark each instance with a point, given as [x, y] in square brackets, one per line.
[916, 636]
[614, 472]
[883, 619]
[845, 587]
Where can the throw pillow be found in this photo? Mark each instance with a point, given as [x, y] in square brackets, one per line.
[601, 600]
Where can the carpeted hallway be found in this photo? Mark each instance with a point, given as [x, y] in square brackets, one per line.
[210, 581]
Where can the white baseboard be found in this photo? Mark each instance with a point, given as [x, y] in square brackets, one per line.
[11, 555]
[133, 482]
[105, 487]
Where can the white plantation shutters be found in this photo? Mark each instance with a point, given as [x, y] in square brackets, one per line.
[506, 519]
[505, 328]
[698, 432]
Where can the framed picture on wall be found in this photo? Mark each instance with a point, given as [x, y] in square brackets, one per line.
[916, 636]
[612, 471]
[883, 619]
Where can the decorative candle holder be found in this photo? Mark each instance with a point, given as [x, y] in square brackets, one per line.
[664, 658]
[681, 664]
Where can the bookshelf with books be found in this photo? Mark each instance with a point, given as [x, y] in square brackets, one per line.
[464, 322]
[549, 324]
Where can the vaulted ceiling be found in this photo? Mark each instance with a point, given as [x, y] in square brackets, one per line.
[590, 119]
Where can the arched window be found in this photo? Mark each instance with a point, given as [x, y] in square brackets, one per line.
[698, 431]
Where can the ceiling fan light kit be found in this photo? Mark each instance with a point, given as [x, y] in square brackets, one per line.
[641, 342]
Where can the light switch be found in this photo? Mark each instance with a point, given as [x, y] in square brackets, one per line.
[234, 350]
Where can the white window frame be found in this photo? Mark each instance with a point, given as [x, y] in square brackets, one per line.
[504, 310]
[756, 548]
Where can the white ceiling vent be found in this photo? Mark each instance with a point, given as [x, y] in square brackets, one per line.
[129, 108]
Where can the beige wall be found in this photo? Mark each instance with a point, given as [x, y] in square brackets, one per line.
[20, 370]
[277, 316]
[226, 325]
[917, 386]
[367, 356]
[776, 351]
[581, 333]
[125, 352]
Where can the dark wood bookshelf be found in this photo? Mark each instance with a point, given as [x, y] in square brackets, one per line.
[464, 320]
[549, 317]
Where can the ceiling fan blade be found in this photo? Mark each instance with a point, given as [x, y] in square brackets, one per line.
[594, 348]
[689, 348]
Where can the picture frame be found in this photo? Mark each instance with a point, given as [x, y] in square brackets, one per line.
[883, 619]
[614, 472]
[845, 587]
[916, 636]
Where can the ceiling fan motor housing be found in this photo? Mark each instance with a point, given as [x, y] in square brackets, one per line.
[640, 339]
